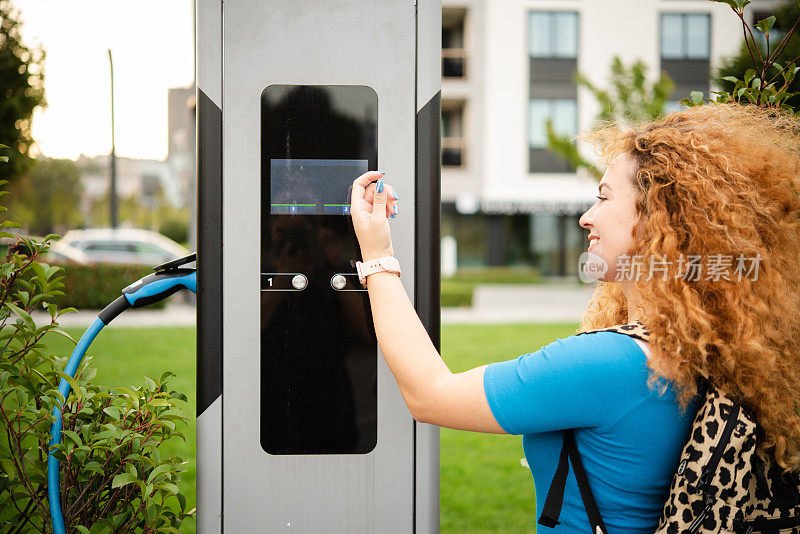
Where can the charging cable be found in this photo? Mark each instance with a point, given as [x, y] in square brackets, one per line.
[168, 279]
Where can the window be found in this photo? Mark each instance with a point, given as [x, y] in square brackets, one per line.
[563, 112]
[685, 51]
[454, 56]
[685, 35]
[142, 247]
[553, 95]
[109, 246]
[553, 34]
[453, 133]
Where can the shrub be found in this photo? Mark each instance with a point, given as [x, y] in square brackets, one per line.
[457, 290]
[113, 477]
[95, 286]
[498, 275]
[175, 229]
[455, 294]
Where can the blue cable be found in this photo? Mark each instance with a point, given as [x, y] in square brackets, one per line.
[141, 293]
[53, 478]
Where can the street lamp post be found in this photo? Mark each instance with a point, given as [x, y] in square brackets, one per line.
[113, 194]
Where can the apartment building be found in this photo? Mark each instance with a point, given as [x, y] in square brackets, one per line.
[507, 67]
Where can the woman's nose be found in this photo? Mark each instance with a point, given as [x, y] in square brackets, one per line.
[584, 221]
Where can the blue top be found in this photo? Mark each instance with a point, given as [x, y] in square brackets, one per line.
[630, 437]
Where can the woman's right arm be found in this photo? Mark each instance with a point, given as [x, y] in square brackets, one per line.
[432, 392]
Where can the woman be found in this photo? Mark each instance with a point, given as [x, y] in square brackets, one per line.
[717, 183]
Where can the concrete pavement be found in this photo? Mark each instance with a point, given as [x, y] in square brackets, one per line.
[522, 304]
[492, 304]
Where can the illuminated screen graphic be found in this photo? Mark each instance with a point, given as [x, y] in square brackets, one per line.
[313, 186]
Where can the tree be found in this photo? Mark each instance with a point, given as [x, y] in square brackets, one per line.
[771, 80]
[161, 216]
[48, 198]
[21, 92]
[754, 55]
[631, 98]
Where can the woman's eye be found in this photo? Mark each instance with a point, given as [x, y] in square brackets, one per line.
[601, 198]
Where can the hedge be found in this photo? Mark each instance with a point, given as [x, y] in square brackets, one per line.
[458, 290]
[95, 286]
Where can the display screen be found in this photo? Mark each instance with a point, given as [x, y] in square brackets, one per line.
[313, 186]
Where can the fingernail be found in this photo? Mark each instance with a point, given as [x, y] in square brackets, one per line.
[382, 172]
[396, 210]
[394, 194]
[380, 186]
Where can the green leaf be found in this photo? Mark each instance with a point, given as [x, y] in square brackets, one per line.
[72, 383]
[151, 384]
[732, 79]
[733, 3]
[172, 488]
[697, 97]
[748, 76]
[164, 376]
[132, 396]
[160, 470]
[122, 479]
[93, 467]
[7, 465]
[766, 25]
[789, 73]
[113, 412]
[61, 332]
[82, 529]
[25, 316]
[103, 526]
[75, 438]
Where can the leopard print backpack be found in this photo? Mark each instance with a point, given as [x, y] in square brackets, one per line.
[721, 484]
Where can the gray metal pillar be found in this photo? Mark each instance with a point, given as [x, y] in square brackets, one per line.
[392, 47]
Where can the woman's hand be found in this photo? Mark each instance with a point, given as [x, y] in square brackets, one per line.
[371, 213]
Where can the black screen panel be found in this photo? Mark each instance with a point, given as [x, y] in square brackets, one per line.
[318, 345]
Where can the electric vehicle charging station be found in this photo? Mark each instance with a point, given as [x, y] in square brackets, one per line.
[301, 426]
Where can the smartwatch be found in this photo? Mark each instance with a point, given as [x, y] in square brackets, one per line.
[385, 264]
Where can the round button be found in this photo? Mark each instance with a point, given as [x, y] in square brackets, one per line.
[338, 282]
[299, 282]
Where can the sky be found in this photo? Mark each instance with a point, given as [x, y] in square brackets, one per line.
[152, 46]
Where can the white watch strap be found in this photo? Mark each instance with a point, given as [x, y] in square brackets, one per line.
[385, 264]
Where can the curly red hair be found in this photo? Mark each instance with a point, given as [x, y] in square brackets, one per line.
[718, 179]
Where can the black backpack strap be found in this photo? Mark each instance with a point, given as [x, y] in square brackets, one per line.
[555, 496]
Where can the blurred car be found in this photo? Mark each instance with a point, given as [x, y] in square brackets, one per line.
[63, 254]
[122, 245]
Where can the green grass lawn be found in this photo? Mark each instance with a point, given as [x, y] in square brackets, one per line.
[483, 487]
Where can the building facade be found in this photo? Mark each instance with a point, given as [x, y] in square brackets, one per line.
[508, 67]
